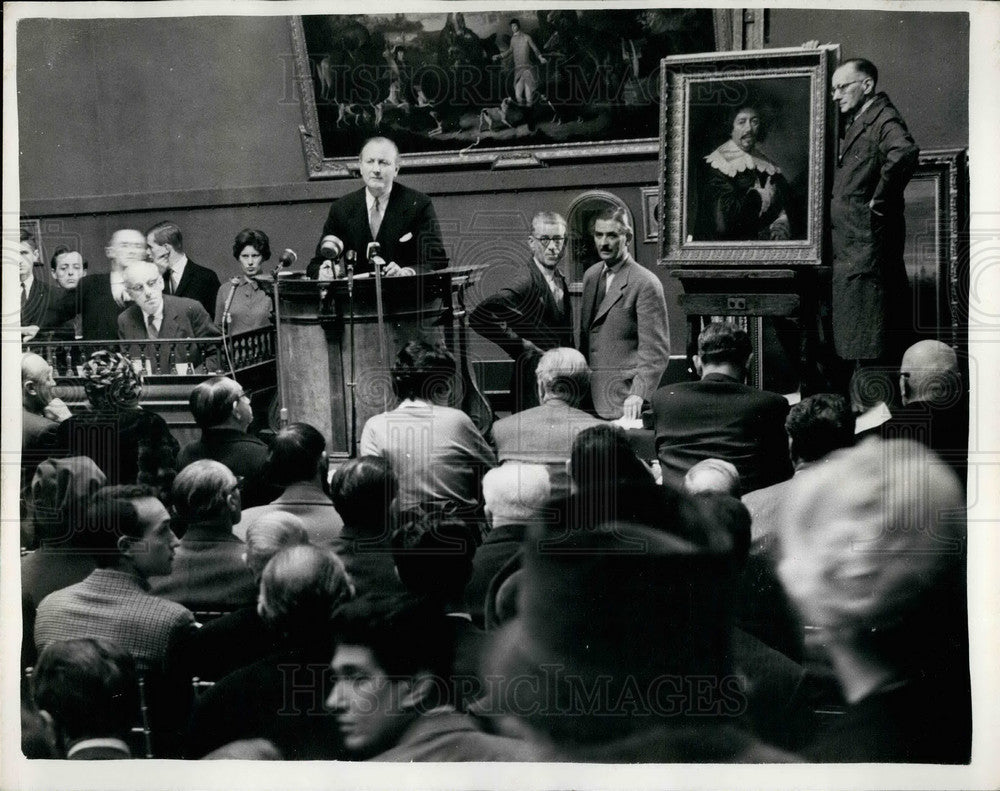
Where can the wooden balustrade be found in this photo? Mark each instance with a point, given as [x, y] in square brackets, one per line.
[164, 356]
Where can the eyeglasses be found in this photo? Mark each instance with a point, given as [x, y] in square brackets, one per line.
[238, 486]
[137, 288]
[247, 394]
[835, 89]
[545, 241]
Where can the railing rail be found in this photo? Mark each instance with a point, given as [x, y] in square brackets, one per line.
[163, 356]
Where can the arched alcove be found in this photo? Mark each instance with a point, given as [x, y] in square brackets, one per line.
[580, 219]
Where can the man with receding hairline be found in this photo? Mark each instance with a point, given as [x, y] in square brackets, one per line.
[877, 157]
[400, 219]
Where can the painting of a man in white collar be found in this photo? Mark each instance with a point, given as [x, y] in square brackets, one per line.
[742, 192]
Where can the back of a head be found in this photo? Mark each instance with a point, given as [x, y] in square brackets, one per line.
[723, 342]
[88, 686]
[931, 374]
[407, 635]
[362, 490]
[609, 480]
[563, 373]
[424, 371]
[623, 606]
[111, 515]
[295, 454]
[111, 381]
[271, 533]
[60, 493]
[434, 556]
[713, 476]
[202, 491]
[211, 402]
[167, 232]
[867, 535]
[515, 493]
[300, 589]
[818, 425]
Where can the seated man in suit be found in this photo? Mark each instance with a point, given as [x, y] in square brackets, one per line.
[298, 461]
[401, 220]
[530, 313]
[719, 417]
[87, 692]
[156, 315]
[98, 299]
[222, 410]
[182, 277]
[623, 323]
[545, 434]
[69, 269]
[208, 571]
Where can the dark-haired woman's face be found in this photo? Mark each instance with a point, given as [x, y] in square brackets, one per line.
[250, 259]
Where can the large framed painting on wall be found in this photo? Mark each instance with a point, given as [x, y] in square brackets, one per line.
[489, 88]
[745, 145]
[936, 263]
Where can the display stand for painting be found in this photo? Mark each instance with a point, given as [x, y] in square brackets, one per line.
[750, 295]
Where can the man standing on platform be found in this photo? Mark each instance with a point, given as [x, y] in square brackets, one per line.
[870, 298]
[401, 220]
[531, 313]
[623, 323]
[182, 277]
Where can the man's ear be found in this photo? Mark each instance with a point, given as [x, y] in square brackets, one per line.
[417, 690]
[29, 389]
[50, 732]
[698, 366]
[124, 545]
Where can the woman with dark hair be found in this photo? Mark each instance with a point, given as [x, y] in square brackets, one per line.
[436, 452]
[128, 443]
[243, 305]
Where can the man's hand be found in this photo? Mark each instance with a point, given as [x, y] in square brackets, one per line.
[57, 410]
[29, 332]
[392, 269]
[632, 408]
[767, 194]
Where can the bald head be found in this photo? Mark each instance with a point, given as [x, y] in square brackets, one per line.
[929, 373]
[145, 286]
[37, 382]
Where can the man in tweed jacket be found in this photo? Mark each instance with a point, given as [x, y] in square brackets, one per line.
[129, 531]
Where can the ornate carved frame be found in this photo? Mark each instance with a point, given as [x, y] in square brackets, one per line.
[321, 167]
[680, 74]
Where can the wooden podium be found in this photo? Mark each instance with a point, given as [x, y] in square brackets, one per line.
[320, 324]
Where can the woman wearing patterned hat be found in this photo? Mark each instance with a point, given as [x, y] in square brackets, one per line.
[128, 443]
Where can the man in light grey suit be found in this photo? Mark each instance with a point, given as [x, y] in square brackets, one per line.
[623, 323]
[155, 315]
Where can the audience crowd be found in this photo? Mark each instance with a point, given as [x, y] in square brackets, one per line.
[783, 594]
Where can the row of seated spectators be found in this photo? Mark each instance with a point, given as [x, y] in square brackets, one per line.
[424, 603]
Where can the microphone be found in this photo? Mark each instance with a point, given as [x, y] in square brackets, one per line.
[374, 249]
[227, 319]
[330, 247]
[351, 255]
[288, 258]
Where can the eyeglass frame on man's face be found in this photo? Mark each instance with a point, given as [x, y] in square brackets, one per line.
[835, 89]
[545, 241]
[139, 288]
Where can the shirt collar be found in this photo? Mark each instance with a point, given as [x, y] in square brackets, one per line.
[178, 268]
[731, 160]
[28, 281]
[382, 201]
[117, 277]
[548, 274]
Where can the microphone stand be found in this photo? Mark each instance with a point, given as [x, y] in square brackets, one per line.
[282, 409]
[353, 383]
[380, 312]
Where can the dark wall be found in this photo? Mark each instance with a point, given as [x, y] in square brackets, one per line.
[127, 122]
[923, 61]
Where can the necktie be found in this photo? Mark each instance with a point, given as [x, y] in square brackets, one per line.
[602, 289]
[151, 327]
[375, 218]
[24, 295]
[558, 289]
[168, 287]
